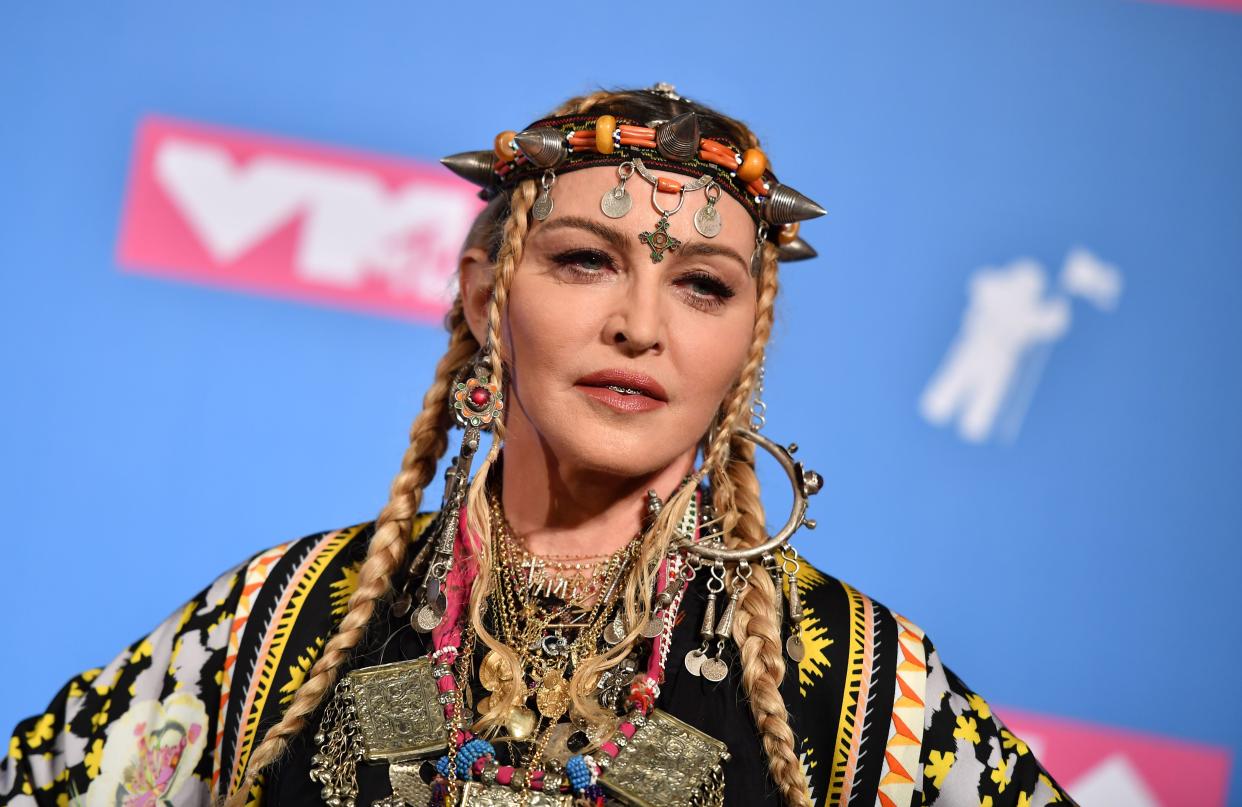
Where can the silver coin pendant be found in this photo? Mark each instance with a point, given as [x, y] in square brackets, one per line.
[694, 661]
[714, 670]
[615, 632]
[616, 202]
[654, 627]
[426, 619]
[707, 221]
[542, 208]
[795, 648]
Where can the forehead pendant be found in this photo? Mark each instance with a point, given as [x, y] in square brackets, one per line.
[659, 240]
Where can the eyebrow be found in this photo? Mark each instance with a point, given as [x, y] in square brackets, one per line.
[615, 238]
[621, 242]
[704, 249]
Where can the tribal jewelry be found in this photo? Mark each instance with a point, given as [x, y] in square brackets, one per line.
[477, 403]
[573, 580]
[570, 142]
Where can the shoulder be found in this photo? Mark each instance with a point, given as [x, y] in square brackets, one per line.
[901, 724]
[865, 669]
[323, 559]
[291, 598]
[845, 622]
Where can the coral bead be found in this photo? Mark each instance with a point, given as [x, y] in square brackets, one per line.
[479, 397]
[666, 185]
[788, 233]
[504, 145]
[605, 125]
[753, 164]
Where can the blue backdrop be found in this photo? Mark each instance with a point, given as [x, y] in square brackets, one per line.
[1080, 559]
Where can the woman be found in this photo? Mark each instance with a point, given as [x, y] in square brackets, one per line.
[592, 616]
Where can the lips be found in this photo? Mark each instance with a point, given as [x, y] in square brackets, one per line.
[623, 390]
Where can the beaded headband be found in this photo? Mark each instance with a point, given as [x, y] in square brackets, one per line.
[571, 142]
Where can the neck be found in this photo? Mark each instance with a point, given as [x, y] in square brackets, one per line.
[561, 509]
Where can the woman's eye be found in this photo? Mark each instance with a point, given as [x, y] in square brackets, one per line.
[705, 290]
[584, 261]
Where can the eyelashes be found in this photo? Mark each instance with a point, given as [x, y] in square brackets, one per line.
[699, 288]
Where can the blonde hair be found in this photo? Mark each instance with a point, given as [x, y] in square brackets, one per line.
[727, 461]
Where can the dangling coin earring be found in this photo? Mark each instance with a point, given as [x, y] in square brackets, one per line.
[542, 208]
[793, 645]
[617, 201]
[756, 258]
[707, 218]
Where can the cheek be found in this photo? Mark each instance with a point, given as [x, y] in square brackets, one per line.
[713, 352]
[541, 339]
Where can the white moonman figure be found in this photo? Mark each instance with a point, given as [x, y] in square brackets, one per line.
[1007, 315]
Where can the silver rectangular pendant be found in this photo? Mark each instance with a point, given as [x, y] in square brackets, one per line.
[668, 763]
[477, 794]
[399, 713]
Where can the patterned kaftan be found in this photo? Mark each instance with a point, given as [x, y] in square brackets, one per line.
[173, 718]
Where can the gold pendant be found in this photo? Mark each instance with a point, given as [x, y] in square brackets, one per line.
[494, 672]
[552, 697]
[520, 723]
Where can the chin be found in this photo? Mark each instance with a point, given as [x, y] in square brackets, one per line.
[623, 453]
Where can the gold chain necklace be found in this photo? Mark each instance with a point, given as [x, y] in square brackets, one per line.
[550, 642]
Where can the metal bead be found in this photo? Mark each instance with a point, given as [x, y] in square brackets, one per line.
[544, 147]
[785, 205]
[678, 139]
[795, 250]
[474, 166]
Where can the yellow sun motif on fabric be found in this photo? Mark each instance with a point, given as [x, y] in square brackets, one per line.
[343, 589]
[298, 671]
[814, 635]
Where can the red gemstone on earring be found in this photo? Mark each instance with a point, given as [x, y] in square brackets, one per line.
[479, 397]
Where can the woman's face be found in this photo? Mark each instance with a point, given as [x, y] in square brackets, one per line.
[618, 364]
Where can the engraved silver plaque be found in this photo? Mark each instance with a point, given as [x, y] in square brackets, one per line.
[399, 712]
[477, 794]
[668, 763]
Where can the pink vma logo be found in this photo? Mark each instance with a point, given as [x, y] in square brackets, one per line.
[303, 222]
[1103, 767]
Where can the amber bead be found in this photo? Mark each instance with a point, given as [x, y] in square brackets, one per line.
[504, 145]
[605, 125]
[788, 233]
[753, 163]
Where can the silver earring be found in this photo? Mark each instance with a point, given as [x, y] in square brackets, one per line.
[477, 402]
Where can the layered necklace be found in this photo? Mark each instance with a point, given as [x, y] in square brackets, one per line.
[554, 614]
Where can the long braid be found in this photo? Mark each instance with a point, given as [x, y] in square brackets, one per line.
[428, 440]
[756, 628]
[509, 255]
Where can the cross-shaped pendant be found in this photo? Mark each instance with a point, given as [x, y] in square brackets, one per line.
[659, 241]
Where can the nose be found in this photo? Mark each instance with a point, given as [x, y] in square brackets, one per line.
[637, 325]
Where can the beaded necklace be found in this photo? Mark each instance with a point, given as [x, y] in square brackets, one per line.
[399, 712]
[472, 758]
